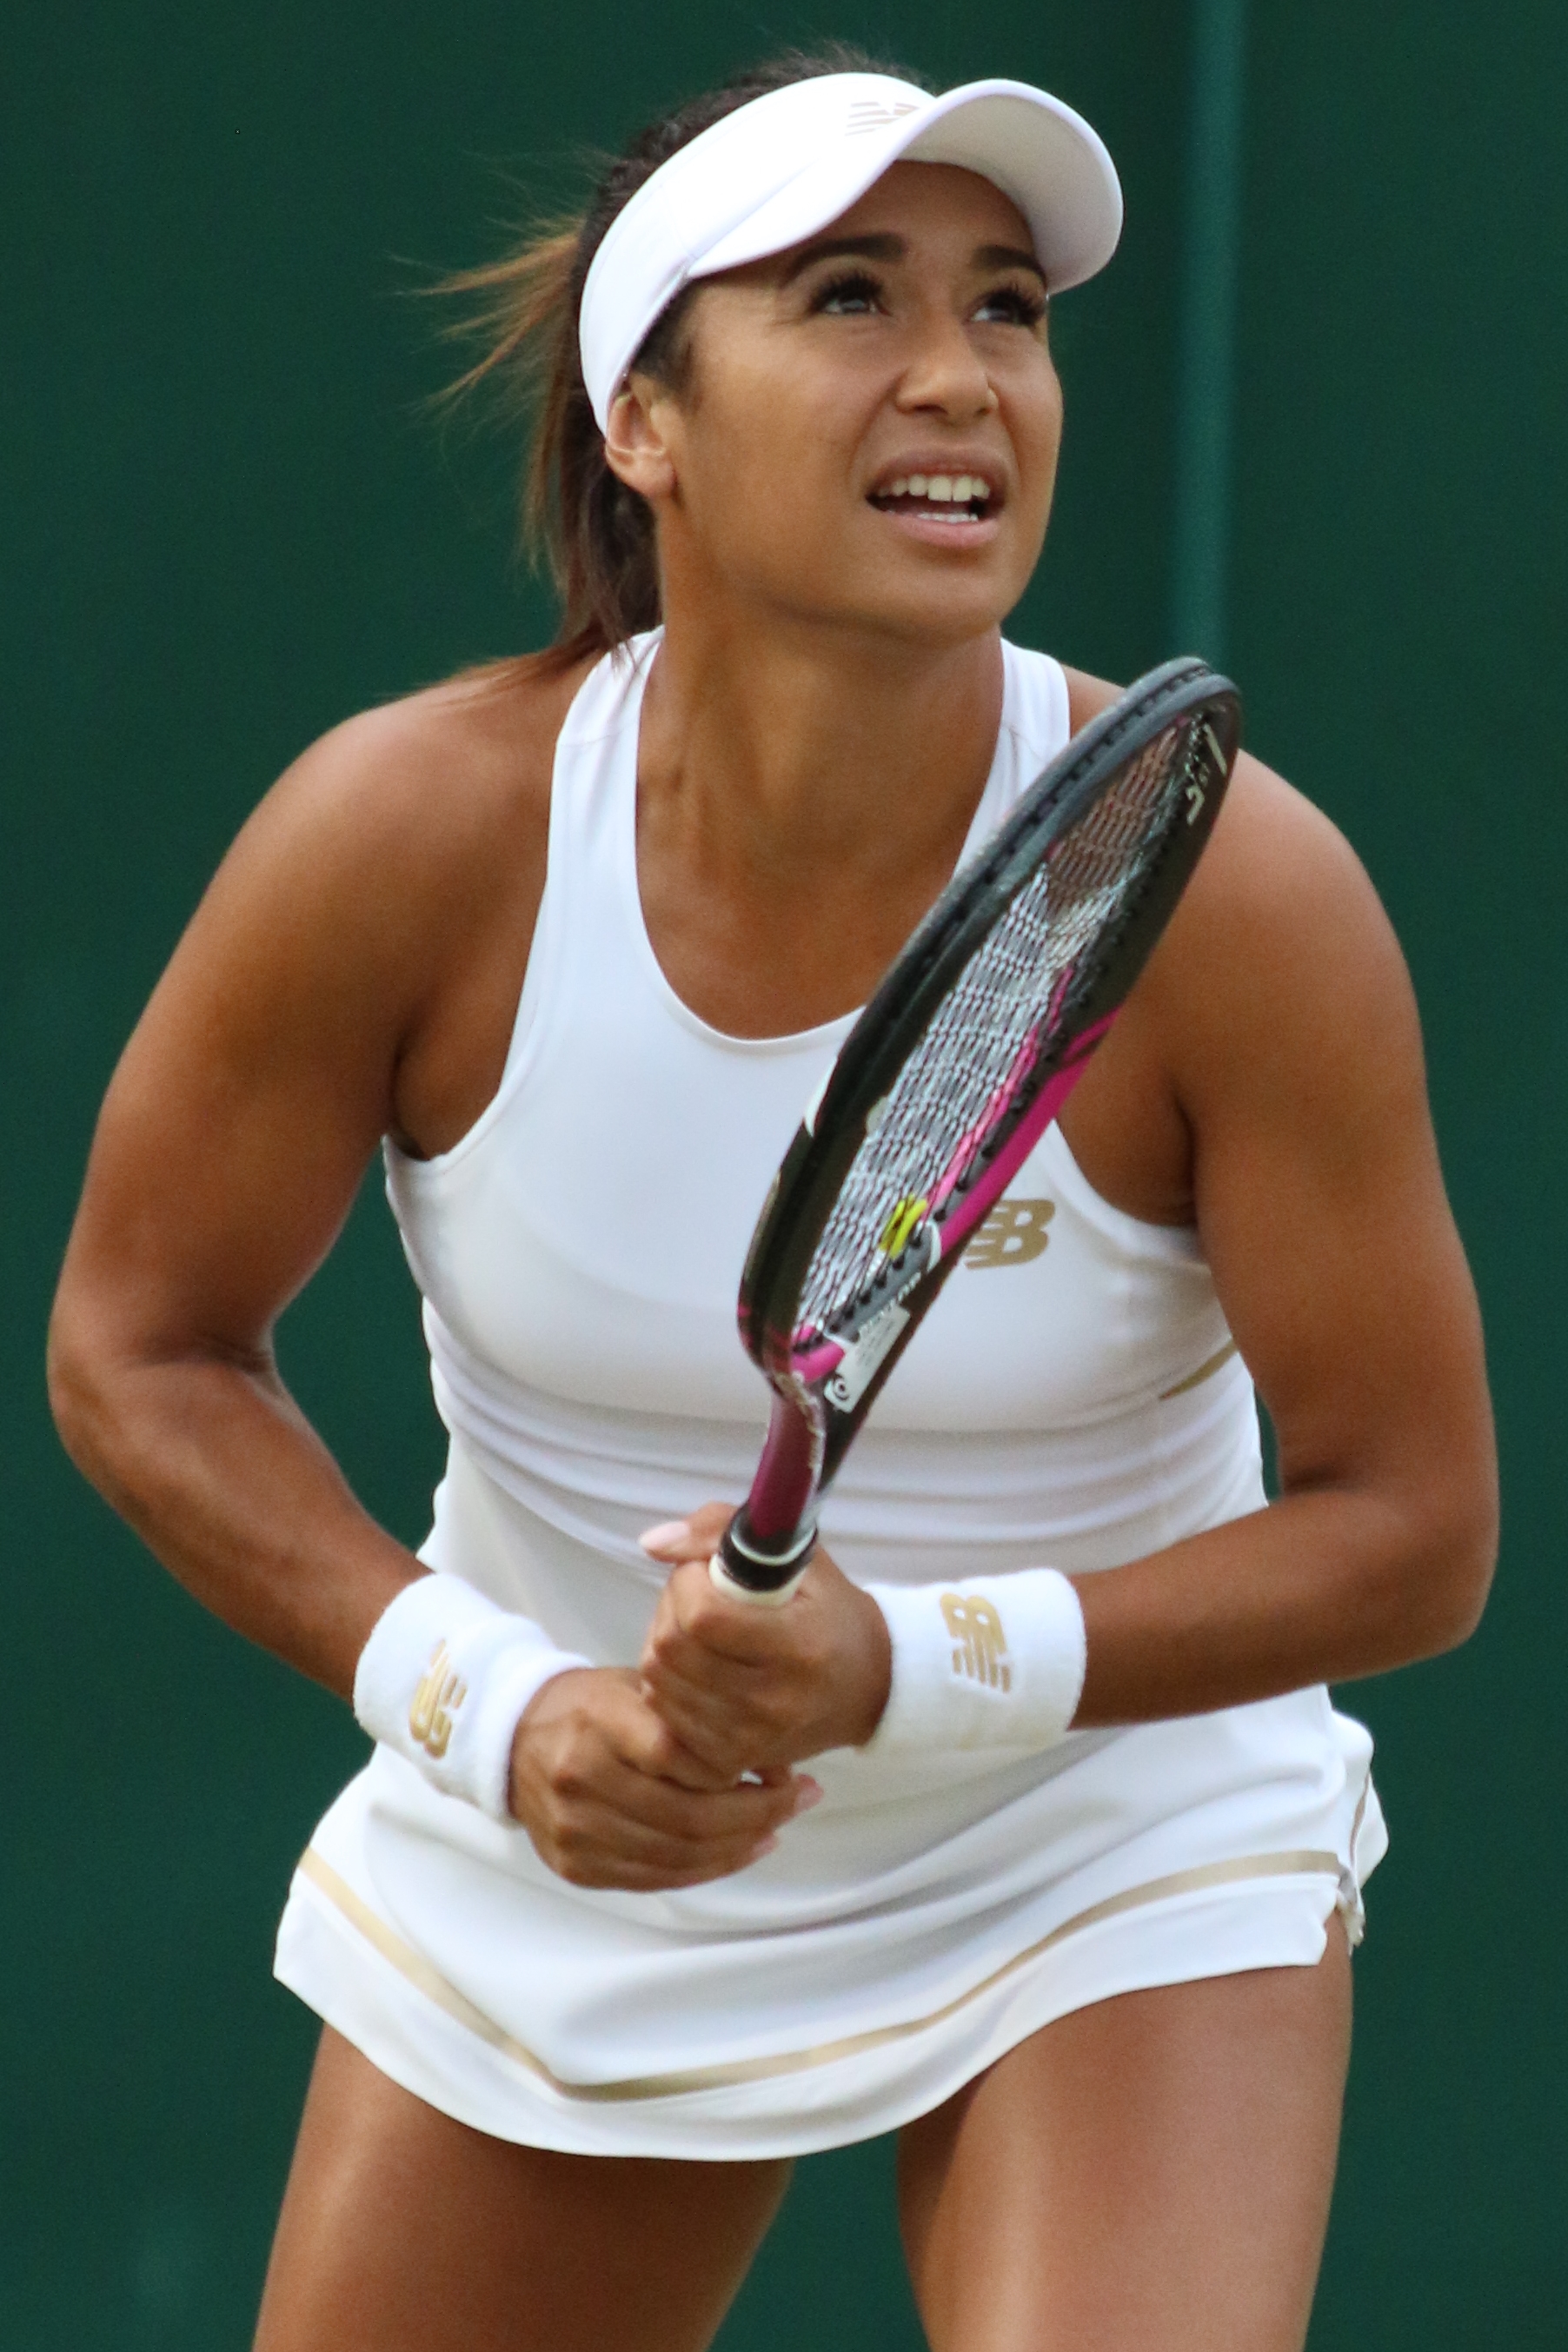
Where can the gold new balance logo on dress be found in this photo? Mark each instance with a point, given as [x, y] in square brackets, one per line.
[1013, 1234]
[439, 1696]
[979, 1643]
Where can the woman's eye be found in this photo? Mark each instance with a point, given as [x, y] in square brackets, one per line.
[1013, 306]
[850, 297]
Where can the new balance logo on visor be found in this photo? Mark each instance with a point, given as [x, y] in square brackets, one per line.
[869, 115]
[979, 1643]
[1013, 1234]
[441, 1693]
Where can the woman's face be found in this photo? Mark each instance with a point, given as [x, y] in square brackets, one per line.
[867, 433]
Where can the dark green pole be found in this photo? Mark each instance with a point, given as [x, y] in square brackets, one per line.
[1206, 369]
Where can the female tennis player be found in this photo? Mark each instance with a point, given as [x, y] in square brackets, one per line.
[645, 1889]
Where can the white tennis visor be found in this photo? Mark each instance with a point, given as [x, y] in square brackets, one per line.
[779, 169]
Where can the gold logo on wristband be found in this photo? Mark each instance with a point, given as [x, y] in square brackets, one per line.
[979, 1643]
[441, 1693]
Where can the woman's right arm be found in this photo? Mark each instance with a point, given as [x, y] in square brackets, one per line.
[238, 1125]
[303, 1015]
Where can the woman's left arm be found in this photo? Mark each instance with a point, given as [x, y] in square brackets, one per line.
[1280, 1007]
[1279, 1014]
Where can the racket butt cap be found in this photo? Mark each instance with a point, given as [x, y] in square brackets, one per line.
[744, 1570]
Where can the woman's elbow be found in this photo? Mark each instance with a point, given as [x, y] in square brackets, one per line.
[71, 1390]
[78, 1367]
[1451, 1567]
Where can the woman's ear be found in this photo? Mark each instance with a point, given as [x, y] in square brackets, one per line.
[635, 448]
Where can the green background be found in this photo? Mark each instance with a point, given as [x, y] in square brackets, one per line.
[225, 526]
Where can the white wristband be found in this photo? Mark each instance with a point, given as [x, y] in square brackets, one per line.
[444, 1678]
[996, 1662]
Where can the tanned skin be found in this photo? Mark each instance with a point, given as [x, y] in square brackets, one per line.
[1155, 2171]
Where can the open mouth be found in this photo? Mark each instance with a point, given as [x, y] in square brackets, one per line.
[941, 497]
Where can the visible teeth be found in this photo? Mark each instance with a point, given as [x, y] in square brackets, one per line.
[941, 489]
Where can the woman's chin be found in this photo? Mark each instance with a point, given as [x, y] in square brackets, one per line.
[898, 601]
[936, 614]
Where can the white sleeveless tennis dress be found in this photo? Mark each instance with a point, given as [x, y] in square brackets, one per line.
[1073, 1400]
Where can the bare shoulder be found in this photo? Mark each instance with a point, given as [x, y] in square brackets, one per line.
[1087, 696]
[425, 789]
[1281, 970]
[1280, 980]
[373, 918]
[1280, 889]
[395, 848]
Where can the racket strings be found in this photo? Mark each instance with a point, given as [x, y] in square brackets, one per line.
[987, 1050]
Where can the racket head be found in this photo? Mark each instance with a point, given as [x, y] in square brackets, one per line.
[962, 1056]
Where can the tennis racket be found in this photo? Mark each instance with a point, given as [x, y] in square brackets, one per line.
[968, 1050]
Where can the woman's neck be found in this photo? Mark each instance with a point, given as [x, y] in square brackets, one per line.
[802, 745]
[800, 805]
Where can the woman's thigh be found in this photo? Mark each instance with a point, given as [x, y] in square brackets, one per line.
[405, 2232]
[1151, 2174]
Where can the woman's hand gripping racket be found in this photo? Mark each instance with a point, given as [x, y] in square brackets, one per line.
[966, 1053]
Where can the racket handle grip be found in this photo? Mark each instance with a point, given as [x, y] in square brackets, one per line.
[743, 1572]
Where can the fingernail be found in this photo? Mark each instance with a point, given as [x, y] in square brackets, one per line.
[766, 1846]
[810, 1794]
[668, 1532]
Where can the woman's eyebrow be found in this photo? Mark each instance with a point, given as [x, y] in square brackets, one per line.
[883, 246]
[1007, 256]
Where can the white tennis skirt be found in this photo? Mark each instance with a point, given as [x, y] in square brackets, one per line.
[905, 1933]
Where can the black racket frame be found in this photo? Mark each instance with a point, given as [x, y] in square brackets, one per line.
[897, 1016]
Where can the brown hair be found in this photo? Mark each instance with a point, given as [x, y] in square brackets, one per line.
[597, 536]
